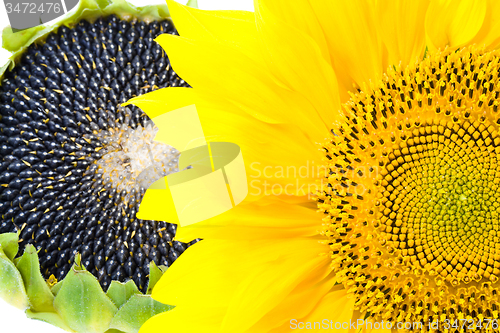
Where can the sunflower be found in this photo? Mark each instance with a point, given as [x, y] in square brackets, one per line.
[74, 165]
[370, 133]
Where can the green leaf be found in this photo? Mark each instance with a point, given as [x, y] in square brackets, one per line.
[136, 312]
[49, 317]
[9, 243]
[12, 283]
[40, 296]
[155, 274]
[120, 293]
[82, 304]
[192, 3]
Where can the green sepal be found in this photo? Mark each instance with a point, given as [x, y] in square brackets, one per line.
[49, 317]
[136, 312]
[39, 294]
[9, 244]
[12, 41]
[12, 285]
[120, 293]
[155, 274]
[18, 42]
[9, 65]
[82, 303]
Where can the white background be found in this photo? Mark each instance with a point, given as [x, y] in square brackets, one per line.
[12, 319]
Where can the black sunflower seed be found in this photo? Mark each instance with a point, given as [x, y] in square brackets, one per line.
[61, 114]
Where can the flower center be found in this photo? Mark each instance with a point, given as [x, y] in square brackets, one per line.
[132, 159]
[411, 203]
[438, 202]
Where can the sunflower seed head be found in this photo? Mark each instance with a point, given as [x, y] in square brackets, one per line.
[72, 159]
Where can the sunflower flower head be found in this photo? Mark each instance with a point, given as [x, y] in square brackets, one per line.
[402, 99]
[410, 207]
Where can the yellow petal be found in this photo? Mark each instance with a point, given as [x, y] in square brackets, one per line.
[267, 218]
[489, 35]
[231, 37]
[297, 61]
[160, 101]
[264, 289]
[212, 271]
[209, 273]
[454, 23]
[228, 26]
[334, 307]
[337, 306]
[227, 73]
[300, 302]
[280, 159]
[353, 42]
[401, 27]
[232, 76]
[221, 69]
[180, 319]
[299, 17]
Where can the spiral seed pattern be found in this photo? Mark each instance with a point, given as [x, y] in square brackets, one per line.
[71, 155]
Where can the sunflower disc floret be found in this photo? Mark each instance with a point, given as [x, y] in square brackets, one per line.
[411, 206]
